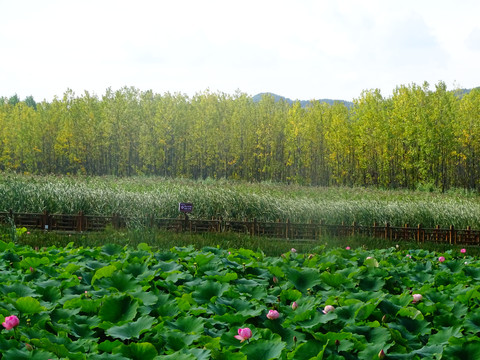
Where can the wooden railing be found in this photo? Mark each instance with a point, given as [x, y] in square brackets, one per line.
[279, 229]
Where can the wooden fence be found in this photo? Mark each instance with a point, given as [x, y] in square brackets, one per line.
[287, 230]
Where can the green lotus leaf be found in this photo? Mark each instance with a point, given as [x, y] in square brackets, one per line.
[24, 354]
[29, 305]
[168, 266]
[290, 295]
[228, 355]
[147, 298]
[389, 308]
[105, 271]
[109, 346]
[176, 340]
[34, 262]
[232, 319]
[333, 280]
[166, 307]
[411, 329]
[473, 272]
[20, 290]
[263, 349]
[200, 354]
[139, 351]
[443, 336]
[111, 249]
[346, 314]
[88, 306]
[132, 329]
[4, 246]
[50, 293]
[207, 290]
[303, 279]
[371, 283]
[60, 347]
[189, 324]
[225, 277]
[470, 350]
[317, 320]
[120, 281]
[410, 312]
[179, 355]
[107, 356]
[472, 321]
[118, 309]
[307, 351]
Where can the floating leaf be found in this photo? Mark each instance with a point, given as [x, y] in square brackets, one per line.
[132, 329]
[29, 305]
[139, 351]
[105, 271]
[207, 290]
[303, 279]
[118, 309]
[263, 350]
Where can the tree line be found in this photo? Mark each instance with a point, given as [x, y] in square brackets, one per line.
[415, 137]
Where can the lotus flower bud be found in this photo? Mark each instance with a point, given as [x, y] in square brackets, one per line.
[273, 314]
[328, 308]
[243, 334]
[417, 298]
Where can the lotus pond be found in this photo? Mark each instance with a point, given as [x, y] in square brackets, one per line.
[114, 302]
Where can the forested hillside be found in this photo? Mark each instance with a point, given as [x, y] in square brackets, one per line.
[416, 136]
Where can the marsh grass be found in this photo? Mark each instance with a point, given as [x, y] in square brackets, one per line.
[141, 197]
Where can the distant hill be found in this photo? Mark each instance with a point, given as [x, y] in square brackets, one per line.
[303, 103]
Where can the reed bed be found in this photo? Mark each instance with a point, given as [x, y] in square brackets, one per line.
[141, 197]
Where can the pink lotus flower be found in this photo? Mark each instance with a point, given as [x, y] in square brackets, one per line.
[463, 251]
[10, 322]
[294, 305]
[328, 308]
[347, 248]
[441, 259]
[409, 256]
[243, 334]
[275, 280]
[381, 354]
[417, 298]
[293, 250]
[273, 314]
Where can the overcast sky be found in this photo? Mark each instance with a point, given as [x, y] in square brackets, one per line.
[299, 49]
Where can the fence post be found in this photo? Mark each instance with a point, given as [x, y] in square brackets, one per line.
[45, 218]
[450, 234]
[287, 228]
[387, 231]
[80, 221]
[115, 221]
[418, 232]
[353, 228]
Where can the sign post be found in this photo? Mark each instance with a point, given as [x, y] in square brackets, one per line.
[185, 208]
